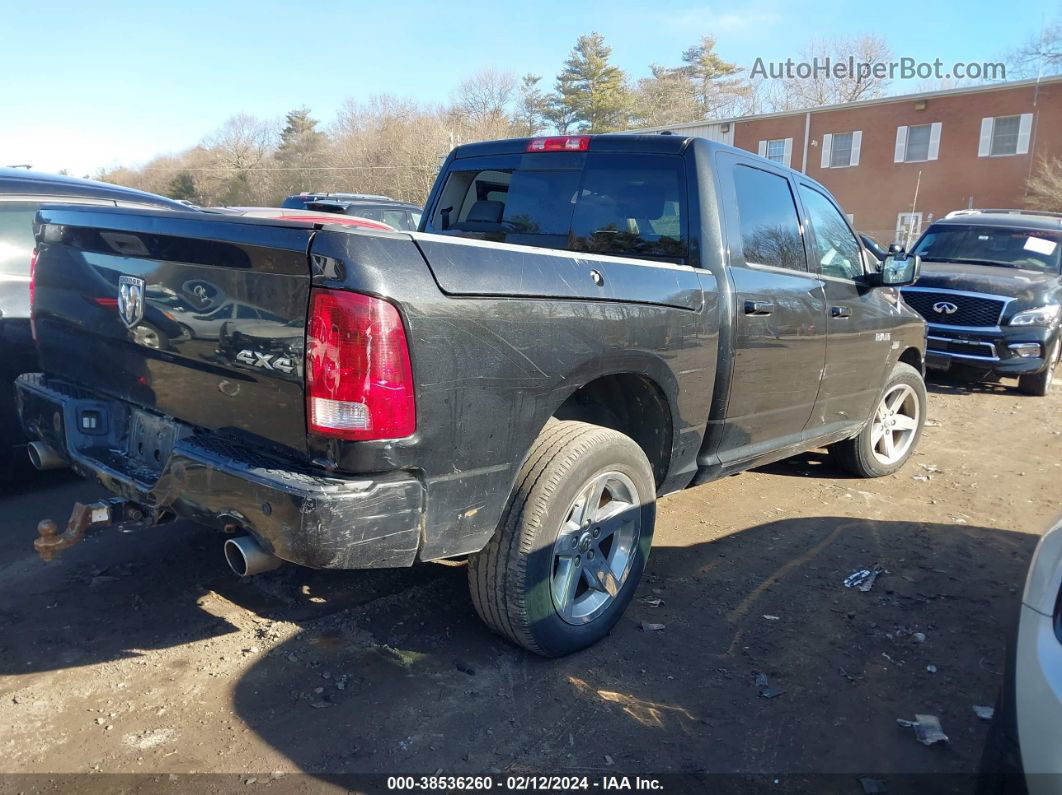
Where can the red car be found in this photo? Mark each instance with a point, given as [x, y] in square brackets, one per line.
[285, 214]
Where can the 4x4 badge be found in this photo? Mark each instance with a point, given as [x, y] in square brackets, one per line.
[130, 300]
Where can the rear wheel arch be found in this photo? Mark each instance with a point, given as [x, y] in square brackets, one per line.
[633, 404]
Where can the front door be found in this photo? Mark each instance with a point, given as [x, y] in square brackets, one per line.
[780, 311]
[859, 319]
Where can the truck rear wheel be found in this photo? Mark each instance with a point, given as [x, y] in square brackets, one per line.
[572, 544]
[890, 436]
[1039, 384]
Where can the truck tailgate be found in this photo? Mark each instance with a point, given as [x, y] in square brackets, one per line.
[194, 316]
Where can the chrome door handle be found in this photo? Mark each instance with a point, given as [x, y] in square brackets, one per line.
[840, 311]
[758, 307]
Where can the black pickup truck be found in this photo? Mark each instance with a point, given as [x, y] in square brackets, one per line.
[582, 324]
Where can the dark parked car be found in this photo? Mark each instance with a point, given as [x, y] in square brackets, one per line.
[300, 200]
[990, 292]
[21, 194]
[407, 397]
[402, 216]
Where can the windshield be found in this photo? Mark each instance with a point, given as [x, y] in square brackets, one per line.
[986, 245]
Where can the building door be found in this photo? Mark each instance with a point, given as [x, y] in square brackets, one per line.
[908, 228]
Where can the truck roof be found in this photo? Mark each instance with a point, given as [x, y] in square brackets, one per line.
[603, 142]
[633, 143]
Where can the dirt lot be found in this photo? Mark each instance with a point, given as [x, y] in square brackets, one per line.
[139, 653]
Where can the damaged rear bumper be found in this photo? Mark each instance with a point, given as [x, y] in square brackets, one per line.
[300, 514]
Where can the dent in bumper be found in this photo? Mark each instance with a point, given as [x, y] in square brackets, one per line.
[302, 515]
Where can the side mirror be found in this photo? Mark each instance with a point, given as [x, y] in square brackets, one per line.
[900, 270]
[896, 248]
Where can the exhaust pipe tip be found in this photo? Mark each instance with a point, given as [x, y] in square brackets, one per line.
[246, 557]
[44, 457]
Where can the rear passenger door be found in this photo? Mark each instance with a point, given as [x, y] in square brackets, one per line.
[780, 313]
[859, 320]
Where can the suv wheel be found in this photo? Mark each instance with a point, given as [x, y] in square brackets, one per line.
[570, 550]
[890, 437]
[1039, 384]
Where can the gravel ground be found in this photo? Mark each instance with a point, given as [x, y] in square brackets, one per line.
[138, 653]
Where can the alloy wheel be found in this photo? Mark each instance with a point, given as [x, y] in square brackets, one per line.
[595, 548]
[895, 424]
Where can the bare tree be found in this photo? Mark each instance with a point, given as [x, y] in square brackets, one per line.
[1044, 188]
[483, 100]
[389, 145]
[1040, 54]
[790, 91]
[242, 142]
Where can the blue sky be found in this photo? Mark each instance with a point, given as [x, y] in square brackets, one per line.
[94, 84]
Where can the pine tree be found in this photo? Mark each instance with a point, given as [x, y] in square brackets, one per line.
[532, 106]
[182, 186]
[706, 70]
[302, 147]
[591, 91]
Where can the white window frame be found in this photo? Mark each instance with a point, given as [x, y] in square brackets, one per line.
[988, 130]
[907, 235]
[902, 134]
[787, 150]
[827, 149]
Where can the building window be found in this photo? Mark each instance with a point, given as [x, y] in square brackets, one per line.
[777, 150]
[1002, 136]
[841, 154]
[917, 144]
[841, 150]
[1005, 135]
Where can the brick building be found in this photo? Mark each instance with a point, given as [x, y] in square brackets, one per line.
[967, 147]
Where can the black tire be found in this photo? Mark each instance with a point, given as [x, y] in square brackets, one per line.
[857, 454]
[511, 578]
[1039, 384]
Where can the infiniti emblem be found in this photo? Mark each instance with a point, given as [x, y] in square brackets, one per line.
[945, 308]
[130, 300]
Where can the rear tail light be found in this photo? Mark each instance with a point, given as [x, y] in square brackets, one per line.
[559, 143]
[359, 382]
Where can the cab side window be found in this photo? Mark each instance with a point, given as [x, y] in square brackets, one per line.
[770, 226]
[836, 249]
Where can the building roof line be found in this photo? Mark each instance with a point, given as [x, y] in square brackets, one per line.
[862, 103]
